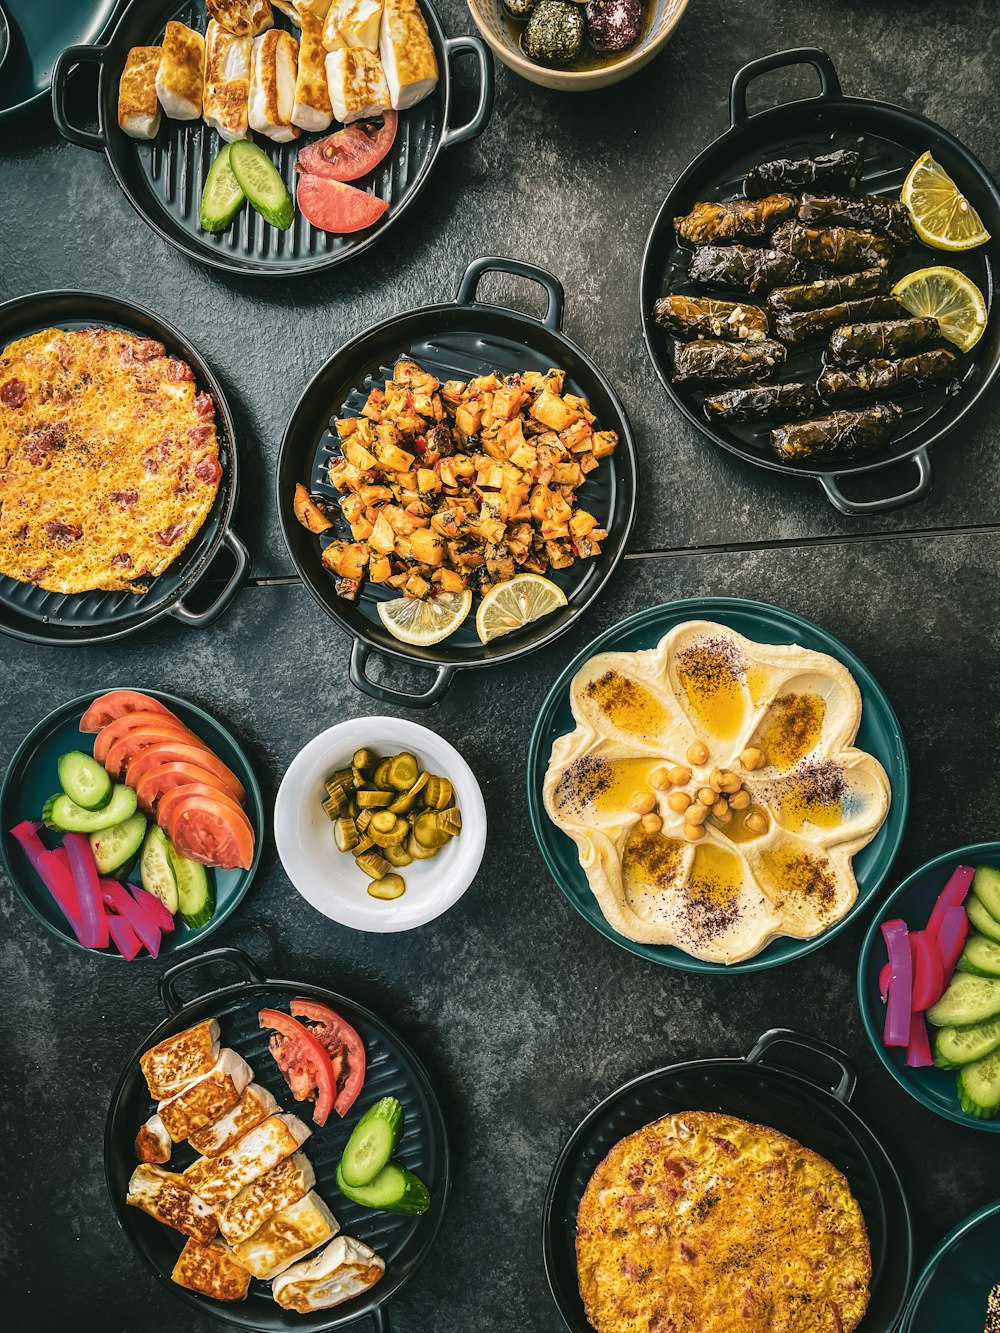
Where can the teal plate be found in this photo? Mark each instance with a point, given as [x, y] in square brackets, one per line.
[912, 901]
[951, 1291]
[39, 31]
[879, 734]
[31, 779]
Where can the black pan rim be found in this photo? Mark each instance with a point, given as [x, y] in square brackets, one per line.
[246, 990]
[125, 624]
[649, 277]
[351, 349]
[841, 1107]
[113, 150]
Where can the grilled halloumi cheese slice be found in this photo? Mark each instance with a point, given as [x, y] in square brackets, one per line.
[357, 84]
[332, 39]
[138, 104]
[255, 1105]
[287, 1236]
[357, 22]
[312, 109]
[289, 9]
[153, 1143]
[318, 8]
[243, 18]
[207, 1098]
[177, 1061]
[169, 1198]
[211, 1270]
[180, 78]
[407, 52]
[226, 102]
[345, 1269]
[272, 85]
[216, 1179]
[285, 1183]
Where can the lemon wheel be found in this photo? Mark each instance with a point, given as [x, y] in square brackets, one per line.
[951, 298]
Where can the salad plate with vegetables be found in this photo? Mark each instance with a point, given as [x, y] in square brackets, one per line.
[929, 985]
[130, 823]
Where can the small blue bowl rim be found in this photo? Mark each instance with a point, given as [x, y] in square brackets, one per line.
[929, 1269]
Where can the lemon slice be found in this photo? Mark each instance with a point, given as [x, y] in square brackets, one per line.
[426, 621]
[514, 604]
[951, 298]
[942, 216]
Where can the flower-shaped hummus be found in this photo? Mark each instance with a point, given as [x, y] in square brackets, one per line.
[714, 792]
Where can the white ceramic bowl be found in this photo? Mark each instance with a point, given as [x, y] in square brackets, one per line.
[329, 880]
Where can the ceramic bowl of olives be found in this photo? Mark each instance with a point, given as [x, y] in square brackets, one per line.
[576, 45]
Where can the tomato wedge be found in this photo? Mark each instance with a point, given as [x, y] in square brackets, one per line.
[129, 722]
[116, 704]
[154, 785]
[336, 1035]
[203, 829]
[167, 805]
[183, 752]
[299, 1054]
[338, 208]
[351, 152]
[128, 746]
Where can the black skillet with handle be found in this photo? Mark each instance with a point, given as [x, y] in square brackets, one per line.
[392, 1070]
[891, 139]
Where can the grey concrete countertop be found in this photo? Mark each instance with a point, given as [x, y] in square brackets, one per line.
[491, 995]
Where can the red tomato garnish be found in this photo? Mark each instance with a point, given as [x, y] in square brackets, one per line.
[114, 705]
[338, 1038]
[303, 1060]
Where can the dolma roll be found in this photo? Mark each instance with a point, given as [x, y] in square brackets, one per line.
[850, 344]
[838, 435]
[705, 317]
[835, 247]
[734, 220]
[710, 362]
[840, 169]
[830, 291]
[881, 376]
[798, 326]
[763, 402]
[871, 212]
[742, 266]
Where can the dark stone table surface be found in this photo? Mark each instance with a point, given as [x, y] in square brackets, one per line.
[525, 1015]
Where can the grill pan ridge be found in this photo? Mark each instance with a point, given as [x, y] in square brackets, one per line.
[39, 616]
[891, 138]
[163, 179]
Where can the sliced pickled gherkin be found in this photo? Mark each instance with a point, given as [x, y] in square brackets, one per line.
[346, 835]
[363, 844]
[338, 795]
[387, 886]
[398, 856]
[403, 771]
[362, 819]
[438, 793]
[373, 800]
[393, 837]
[363, 759]
[418, 853]
[382, 822]
[450, 820]
[373, 864]
[333, 809]
[406, 802]
[381, 778]
[428, 832]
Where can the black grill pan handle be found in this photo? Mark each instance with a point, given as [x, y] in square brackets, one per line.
[844, 1088]
[925, 480]
[829, 82]
[236, 580]
[471, 46]
[467, 288]
[360, 653]
[380, 1319]
[243, 963]
[66, 62]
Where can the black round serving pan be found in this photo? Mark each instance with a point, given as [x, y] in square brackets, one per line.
[757, 1091]
[456, 340]
[891, 138]
[33, 614]
[163, 179]
[392, 1070]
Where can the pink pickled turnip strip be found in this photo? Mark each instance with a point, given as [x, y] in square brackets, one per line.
[951, 937]
[918, 1048]
[928, 972]
[93, 920]
[885, 973]
[124, 936]
[53, 873]
[897, 1013]
[953, 894]
[153, 908]
[118, 897]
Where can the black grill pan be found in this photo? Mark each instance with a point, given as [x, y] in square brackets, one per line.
[163, 179]
[754, 1090]
[891, 138]
[456, 340]
[33, 614]
[393, 1070]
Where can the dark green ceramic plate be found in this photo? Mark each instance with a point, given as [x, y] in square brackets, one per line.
[879, 734]
[950, 1295]
[39, 30]
[913, 900]
[31, 779]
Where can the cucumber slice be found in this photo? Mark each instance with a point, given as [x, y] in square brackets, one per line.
[981, 919]
[156, 869]
[84, 780]
[372, 1142]
[194, 890]
[222, 198]
[113, 846]
[979, 1087]
[259, 180]
[394, 1190]
[986, 887]
[967, 1000]
[980, 956]
[62, 813]
[954, 1047]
